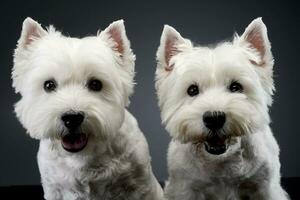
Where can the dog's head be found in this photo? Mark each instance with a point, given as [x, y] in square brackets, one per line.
[211, 95]
[72, 90]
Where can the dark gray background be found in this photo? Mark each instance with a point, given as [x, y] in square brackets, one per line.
[204, 22]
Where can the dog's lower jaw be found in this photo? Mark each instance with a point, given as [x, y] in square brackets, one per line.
[215, 150]
[216, 143]
[74, 142]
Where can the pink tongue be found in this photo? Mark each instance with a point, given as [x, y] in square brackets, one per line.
[74, 142]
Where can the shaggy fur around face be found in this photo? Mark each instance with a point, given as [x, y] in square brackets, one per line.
[90, 77]
[233, 78]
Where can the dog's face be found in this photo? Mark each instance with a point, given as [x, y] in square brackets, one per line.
[73, 90]
[211, 96]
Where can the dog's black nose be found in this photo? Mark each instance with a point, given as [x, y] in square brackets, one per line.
[72, 120]
[214, 120]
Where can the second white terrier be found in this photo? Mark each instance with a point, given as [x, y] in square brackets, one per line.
[74, 97]
[214, 103]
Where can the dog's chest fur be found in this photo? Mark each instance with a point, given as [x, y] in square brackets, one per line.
[235, 176]
[117, 173]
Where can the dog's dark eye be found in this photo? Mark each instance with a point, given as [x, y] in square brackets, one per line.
[235, 87]
[94, 85]
[193, 90]
[49, 85]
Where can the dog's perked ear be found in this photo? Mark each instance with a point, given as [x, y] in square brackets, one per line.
[116, 36]
[255, 41]
[31, 31]
[116, 39]
[256, 37]
[171, 43]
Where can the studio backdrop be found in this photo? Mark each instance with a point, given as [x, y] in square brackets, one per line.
[206, 22]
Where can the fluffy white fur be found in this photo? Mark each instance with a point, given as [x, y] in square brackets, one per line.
[115, 164]
[250, 168]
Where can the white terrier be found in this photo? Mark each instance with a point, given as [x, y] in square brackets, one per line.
[74, 97]
[214, 103]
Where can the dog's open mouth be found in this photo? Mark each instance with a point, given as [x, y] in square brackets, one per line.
[74, 142]
[216, 144]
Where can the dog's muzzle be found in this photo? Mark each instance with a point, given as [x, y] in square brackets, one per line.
[216, 139]
[74, 140]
